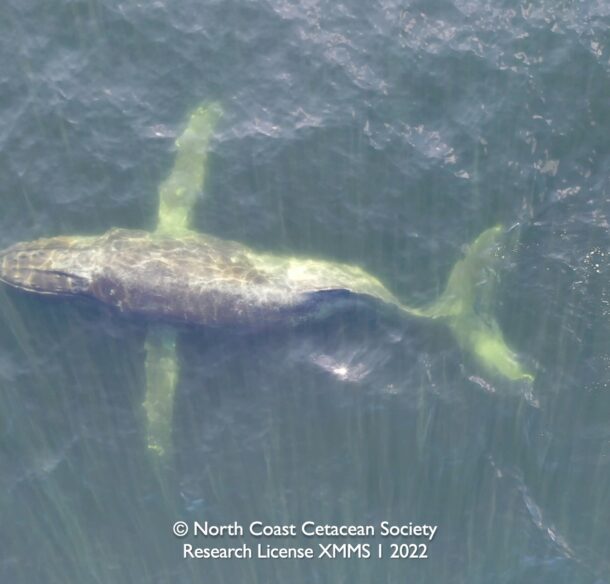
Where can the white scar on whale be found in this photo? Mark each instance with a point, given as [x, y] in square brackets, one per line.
[175, 275]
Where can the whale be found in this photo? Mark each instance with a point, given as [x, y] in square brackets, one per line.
[194, 279]
[174, 275]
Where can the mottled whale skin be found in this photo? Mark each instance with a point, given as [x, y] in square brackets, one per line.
[195, 279]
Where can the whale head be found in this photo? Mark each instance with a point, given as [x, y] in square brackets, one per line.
[59, 266]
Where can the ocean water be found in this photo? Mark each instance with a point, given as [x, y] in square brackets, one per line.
[383, 134]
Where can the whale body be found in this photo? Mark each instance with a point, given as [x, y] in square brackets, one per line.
[194, 279]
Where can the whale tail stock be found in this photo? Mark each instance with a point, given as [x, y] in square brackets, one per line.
[468, 301]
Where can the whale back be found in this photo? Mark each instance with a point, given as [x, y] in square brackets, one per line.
[194, 278]
[204, 280]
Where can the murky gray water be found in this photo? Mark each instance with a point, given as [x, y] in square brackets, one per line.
[383, 134]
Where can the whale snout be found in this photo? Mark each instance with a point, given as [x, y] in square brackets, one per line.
[44, 266]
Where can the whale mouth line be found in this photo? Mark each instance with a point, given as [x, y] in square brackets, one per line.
[45, 281]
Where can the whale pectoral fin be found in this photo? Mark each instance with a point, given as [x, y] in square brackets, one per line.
[161, 367]
[179, 191]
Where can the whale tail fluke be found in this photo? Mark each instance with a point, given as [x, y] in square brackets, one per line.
[473, 279]
[468, 303]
